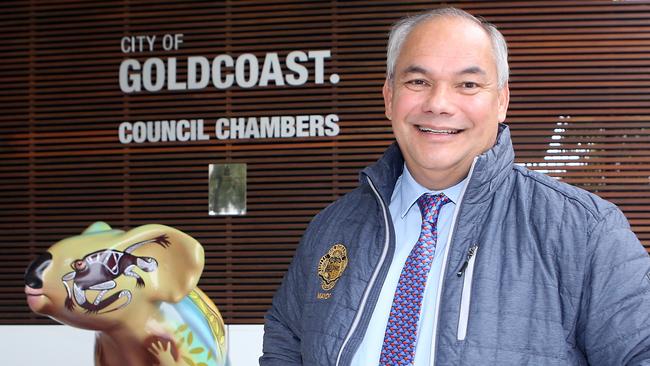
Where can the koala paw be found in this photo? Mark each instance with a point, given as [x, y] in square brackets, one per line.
[163, 353]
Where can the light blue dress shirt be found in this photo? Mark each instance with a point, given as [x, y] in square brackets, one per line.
[407, 221]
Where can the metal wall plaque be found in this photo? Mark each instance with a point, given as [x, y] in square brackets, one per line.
[227, 195]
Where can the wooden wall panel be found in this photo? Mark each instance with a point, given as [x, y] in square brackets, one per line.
[580, 85]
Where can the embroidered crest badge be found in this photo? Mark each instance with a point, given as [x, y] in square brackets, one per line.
[332, 265]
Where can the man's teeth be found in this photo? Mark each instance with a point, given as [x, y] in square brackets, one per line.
[430, 130]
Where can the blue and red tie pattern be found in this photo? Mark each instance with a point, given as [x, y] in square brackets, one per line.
[402, 327]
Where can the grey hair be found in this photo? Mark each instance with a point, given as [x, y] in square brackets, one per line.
[403, 28]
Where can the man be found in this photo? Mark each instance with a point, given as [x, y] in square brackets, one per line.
[450, 254]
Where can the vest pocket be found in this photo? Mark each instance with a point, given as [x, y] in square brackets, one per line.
[467, 273]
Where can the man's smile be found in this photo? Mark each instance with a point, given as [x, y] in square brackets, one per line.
[438, 131]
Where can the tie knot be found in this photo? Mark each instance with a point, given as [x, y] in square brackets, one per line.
[430, 205]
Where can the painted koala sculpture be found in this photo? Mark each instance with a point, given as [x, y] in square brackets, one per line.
[137, 289]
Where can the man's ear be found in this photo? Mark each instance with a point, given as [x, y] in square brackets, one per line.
[387, 91]
[179, 260]
[504, 100]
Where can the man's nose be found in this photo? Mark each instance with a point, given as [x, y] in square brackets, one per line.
[34, 273]
[439, 100]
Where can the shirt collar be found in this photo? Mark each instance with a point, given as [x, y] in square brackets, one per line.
[410, 191]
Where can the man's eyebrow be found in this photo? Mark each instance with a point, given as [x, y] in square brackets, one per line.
[472, 70]
[415, 69]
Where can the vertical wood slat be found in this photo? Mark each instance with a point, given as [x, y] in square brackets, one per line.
[579, 111]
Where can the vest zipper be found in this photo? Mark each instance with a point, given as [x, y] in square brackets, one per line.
[373, 278]
[445, 259]
[467, 270]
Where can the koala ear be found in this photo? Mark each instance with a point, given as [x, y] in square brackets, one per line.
[97, 227]
[179, 260]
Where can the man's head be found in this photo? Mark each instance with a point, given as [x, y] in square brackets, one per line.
[445, 92]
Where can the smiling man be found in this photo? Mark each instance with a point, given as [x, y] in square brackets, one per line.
[448, 253]
[444, 98]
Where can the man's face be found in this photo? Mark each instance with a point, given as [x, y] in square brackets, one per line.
[444, 101]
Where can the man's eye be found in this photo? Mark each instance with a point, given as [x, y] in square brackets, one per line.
[469, 85]
[416, 84]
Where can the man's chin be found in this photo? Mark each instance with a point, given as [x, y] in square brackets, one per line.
[440, 173]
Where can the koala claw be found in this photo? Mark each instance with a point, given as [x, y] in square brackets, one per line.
[93, 310]
[69, 304]
[163, 240]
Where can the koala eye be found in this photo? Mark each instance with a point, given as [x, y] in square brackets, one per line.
[78, 265]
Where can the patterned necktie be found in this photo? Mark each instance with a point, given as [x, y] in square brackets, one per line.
[402, 327]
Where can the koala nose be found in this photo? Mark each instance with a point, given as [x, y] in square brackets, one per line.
[34, 273]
